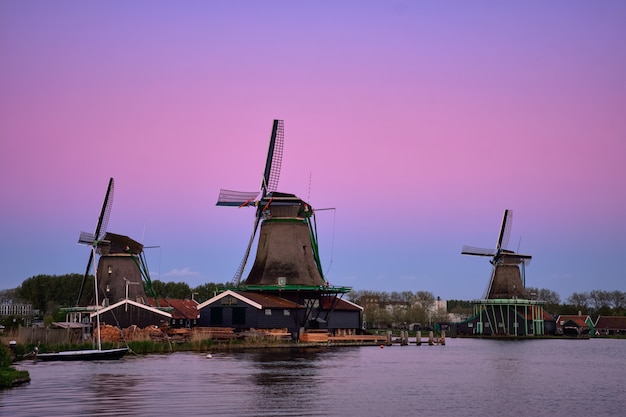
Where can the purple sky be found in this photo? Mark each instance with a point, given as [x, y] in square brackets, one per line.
[420, 122]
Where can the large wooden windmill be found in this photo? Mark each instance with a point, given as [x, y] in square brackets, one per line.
[507, 281]
[505, 309]
[121, 271]
[287, 263]
[287, 251]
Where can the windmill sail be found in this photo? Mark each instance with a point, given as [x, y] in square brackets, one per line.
[506, 280]
[87, 238]
[271, 175]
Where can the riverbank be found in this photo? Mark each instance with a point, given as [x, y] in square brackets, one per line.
[9, 376]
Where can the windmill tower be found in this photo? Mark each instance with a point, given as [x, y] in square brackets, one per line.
[287, 262]
[121, 271]
[506, 279]
[506, 309]
[287, 252]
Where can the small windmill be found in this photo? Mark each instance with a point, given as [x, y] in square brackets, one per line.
[121, 259]
[288, 253]
[506, 280]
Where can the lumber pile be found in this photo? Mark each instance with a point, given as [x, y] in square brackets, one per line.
[109, 333]
[278, 334]
[215, 333]
[314, 336]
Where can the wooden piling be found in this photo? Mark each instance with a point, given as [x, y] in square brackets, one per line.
[430, 338]
[418, 338]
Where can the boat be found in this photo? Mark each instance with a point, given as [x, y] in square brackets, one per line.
[83, 355]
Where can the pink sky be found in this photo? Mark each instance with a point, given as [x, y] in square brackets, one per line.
[419, 122]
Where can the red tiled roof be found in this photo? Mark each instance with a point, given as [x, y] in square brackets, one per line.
[611, 322]
[182, 309]
[580, 321]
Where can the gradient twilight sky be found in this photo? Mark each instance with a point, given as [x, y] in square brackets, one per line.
[420, 122]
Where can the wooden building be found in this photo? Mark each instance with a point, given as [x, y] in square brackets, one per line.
[610, 325]
[126, 313]
[184, 312]
[574, 325]
[506, 317]
[243, 310]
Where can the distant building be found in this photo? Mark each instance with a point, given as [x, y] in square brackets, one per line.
[184, 312]
[610, 325]
[17, 309]
[574, 325]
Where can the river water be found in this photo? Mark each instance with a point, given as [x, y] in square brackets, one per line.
[467, 377]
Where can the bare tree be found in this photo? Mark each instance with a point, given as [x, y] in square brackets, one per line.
[580, 300]
[617, 299]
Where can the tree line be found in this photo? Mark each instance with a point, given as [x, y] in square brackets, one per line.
[49, 293]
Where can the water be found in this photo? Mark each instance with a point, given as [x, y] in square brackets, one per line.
[467, 377]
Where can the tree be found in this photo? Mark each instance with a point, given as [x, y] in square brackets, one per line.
[600, 299]
[204, 292]
[49, 292]
[580, 300]
[424, 299]
[179, 290]
[617, 299]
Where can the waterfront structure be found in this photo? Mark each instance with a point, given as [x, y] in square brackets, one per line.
[574, 325]
[184, 312]
[243, 310]
[610, 325]
[287, 268]
[506, 308]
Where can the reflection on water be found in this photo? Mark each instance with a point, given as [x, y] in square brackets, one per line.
[466, 377]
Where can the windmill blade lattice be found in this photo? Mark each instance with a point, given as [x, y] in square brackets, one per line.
[505, 230]
[274, 161]
[271, 175]
[472, 250]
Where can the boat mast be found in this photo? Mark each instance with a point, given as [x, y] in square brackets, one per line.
[95, 285]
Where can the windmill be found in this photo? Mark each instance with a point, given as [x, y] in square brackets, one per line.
[506, 281]
[287, 252]
[121, 261]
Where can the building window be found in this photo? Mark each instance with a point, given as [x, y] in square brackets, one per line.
[216, 316]
[239, 315]
[268, 312]
[286, 312]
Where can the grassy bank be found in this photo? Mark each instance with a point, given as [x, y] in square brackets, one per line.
[9, 376]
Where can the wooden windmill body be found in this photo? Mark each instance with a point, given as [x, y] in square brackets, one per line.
[287, 263]
[121, 272]
[505, 309]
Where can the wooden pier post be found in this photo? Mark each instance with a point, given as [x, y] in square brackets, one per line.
[430, 338]
[443, 338]
[404, 337]
[418, 338]
[389, 338]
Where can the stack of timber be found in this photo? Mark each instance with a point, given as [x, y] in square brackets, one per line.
[276, 334]
[110, 333]
[215, 333]
[315, 336]
[135, 333]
